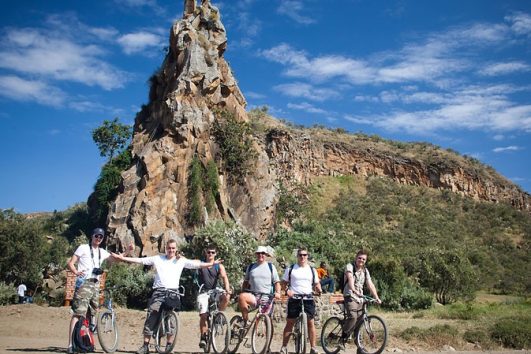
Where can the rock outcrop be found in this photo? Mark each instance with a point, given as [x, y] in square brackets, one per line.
[193, 83]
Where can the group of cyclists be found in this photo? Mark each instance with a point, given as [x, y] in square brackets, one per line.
[261, 277]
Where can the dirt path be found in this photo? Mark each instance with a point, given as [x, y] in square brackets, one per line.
[36, 329]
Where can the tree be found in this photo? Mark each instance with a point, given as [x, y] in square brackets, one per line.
[111, 137]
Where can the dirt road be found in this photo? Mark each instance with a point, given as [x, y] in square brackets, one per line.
[37, 330]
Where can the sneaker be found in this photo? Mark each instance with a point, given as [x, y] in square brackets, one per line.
[168, 348]
[284, 350]
[202, 342]
[314, 351]
[70, 350]
[144, 349]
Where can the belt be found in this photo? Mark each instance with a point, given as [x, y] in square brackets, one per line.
[92, 280]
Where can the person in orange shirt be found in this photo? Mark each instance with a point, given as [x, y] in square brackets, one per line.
[327, 282]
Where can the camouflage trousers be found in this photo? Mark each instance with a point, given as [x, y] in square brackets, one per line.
[87, 293]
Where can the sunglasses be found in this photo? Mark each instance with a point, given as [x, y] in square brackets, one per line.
[211, 252]
[303, 254]
[99, 236]
[261, 253]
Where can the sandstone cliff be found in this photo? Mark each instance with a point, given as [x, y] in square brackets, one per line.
[177, 124]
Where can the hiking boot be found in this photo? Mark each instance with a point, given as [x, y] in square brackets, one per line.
[144, 349]
[314, 351]
[202, 342]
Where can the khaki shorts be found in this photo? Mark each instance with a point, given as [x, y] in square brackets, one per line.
[87, 293]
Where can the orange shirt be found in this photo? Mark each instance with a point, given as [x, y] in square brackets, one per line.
[322, 273]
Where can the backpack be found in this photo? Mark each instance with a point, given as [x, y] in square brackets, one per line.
[291, 268]
[82, 337]
[342, 282]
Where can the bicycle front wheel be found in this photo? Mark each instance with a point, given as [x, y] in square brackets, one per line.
[331, 340]
[299, 334]
[371, 335]
[261, 335]
[108, 331]
[220, 333]
[237, 332]
[166, 332]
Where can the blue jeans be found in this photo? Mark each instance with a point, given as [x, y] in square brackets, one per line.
[327, 284]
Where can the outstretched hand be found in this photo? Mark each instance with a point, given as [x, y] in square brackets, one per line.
[119, 256]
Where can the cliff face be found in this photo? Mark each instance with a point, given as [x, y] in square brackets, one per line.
[177, 124]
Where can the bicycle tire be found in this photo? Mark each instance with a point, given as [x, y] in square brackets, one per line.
[371, 335]
[261, 335]
[220, 333]
[107, 331]
[235, 325]
[208, 336]
[168, 325]
[299, 334]
[331, 335]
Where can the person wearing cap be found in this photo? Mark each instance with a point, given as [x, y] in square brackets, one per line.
[260, 278]
[88, 258]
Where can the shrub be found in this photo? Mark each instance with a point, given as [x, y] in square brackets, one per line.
[477, 336]
[437, 336]
[131, 285]
[512, 332]
[8, 293]
[195, 186]
[462, 311]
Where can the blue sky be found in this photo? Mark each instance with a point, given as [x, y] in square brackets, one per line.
[453, 73]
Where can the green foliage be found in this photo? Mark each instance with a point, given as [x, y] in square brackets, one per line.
[437, 335]
[195, 186]
[130, 284]
[111, 137]
[463, 311]
[235, 246]
[211, 185]
[448, 274]
[477, 336]
[236, 145]
[512, 332]
[106, 188]
[290, 203]
[8, 293]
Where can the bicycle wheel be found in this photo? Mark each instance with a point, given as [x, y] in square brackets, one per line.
[371, 335]
[236, 333]
[331, 340]
[261, 334]
[166, 332]
[220, 333]
[299, 334]
[108, 331]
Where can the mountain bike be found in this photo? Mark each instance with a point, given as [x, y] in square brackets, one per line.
[168, 324]
[261, 327]
[103, 323]
[370, 332]
[218, 334]
[300, 328]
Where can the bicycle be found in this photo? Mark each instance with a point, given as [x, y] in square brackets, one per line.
[300, 328]
[261, 327]
[370, 332]
[218, 334]
[105, 327]
[168, 324]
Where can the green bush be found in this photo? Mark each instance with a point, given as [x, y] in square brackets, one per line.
[512, 332]
[195, 186]
[462, 311]
[477, 336]
[436, 336]
[8, 294]
[130, 284]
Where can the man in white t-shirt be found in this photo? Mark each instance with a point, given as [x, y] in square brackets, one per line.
[168, 269]
[301, 279]
[21, 291]
[89, 259]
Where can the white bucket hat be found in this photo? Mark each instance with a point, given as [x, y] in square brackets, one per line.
[262, 249]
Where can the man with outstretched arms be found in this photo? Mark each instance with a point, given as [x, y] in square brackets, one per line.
[88, 258]
[300, 279]
[208, 280]
[168, 269]
[356, 275]
[260, 277]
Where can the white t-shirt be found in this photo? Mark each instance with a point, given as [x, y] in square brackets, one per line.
[301, 279]
[168, 272]
[21, 290]
[87, 262]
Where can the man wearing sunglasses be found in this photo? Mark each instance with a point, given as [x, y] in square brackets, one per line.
[89, 258]
[300, 279]
[208, 280]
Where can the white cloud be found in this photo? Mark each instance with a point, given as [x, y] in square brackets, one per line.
[54, 56]
[255, 95]
[504, 68]
[294, 9]
[137, 42]
[307, 108]
[299, 89]
[520, 23]
[19, 89]
[507, 148]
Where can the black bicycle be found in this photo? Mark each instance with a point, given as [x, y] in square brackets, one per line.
[218, 335]
[299, 332]
[370, 332]
[260, 326]
[167, 328]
